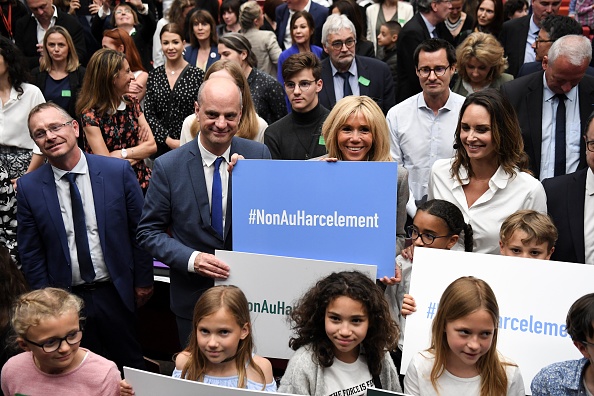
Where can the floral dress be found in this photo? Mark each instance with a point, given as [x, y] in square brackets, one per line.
[120, 130]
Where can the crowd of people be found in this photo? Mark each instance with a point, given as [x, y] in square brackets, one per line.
[120, 126]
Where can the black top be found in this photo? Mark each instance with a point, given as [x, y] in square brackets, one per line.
[297, 136]
[268, 96]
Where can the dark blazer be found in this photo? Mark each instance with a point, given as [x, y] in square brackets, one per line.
[192, 53]
[380, 87]
[565, 203]
[39, 78]
[533, 67]
[412, 34]
[513, 36]
[525, 94]
[26, 37]
[175, 219]
[41, 235]
[318, 12]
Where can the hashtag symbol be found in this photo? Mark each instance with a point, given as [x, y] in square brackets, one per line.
[431, 310]
[252, 216]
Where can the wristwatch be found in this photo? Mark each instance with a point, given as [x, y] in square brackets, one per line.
[124, 153]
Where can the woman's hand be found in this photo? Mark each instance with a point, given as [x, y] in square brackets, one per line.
[409, 305]
[74, 6]
[395, 279]
[126, 389]
[172, 143]
[329, 159]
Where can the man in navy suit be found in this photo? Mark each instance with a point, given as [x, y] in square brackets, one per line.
[185, 217]
[283, 17]
[570, 201]
[77, 219]
[518, 35]
[345, 74]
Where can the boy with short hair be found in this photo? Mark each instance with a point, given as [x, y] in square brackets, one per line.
[572, 377]
[386, 39]
[528, 233]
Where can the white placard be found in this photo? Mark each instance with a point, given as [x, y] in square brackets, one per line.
[272, 284]
[150, 384]
[533, 295]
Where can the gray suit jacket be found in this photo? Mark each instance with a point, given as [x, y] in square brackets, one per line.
[175, 219]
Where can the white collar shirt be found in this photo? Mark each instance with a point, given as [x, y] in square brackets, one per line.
[588, 214]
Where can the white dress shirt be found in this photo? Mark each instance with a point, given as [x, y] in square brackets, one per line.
[13, 117]
[572, 131]
[505, 196]
[83, 182]
[40, 30]
[418, 138]
[533, 29]
[208, 160]
[588, 214]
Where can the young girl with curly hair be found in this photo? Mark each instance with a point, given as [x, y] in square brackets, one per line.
[343, 334]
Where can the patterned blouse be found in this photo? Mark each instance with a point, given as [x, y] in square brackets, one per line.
[8, 211]
[268, 96]
[165, 109]
[120, 130]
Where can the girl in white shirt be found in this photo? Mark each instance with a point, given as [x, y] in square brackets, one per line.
[463, 357]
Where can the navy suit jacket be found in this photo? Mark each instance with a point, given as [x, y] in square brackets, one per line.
[565, 203]
[26, 37]
[175, 219]
[413, 33]
[525, 94]
[41, 235]
[512, 37]
[533, 67]
[318, 12]
[191, 55]
[380, 87]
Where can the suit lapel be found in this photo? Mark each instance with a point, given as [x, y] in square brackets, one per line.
[196, 172]
[575, 209]
[534, 102]
[362, 71]
[50, 195]
[521, 41]
[98, 187]
[586, 98]
[328, 82]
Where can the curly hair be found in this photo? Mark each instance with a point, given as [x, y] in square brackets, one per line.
[505, 131]
[463, 297]
[234, 302]
[309, 314]
[347, 106]
[15, 64]
[487, 50]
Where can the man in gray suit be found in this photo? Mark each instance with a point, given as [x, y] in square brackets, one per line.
[187, 210]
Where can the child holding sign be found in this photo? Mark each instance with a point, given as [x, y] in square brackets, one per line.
[344, 329]
[220, 351]
[573, 377]
[47, 325]
[463, 357]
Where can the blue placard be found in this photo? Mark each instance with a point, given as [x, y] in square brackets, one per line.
[341, 211]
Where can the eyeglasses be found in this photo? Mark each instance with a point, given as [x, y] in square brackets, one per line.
[303, 85]
[539, 40]
[123, 11]
[590, 145]
[337, 45]
[41, 134]
[427, 239]
[53, 344]
[439, 71]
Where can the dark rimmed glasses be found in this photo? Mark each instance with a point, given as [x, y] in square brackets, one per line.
[427, 239]
[438, 70]
[53, 344]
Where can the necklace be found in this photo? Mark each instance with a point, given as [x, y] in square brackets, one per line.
[176, 71]
[453, 25]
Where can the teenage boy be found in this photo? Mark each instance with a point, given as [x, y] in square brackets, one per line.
[298, 135]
